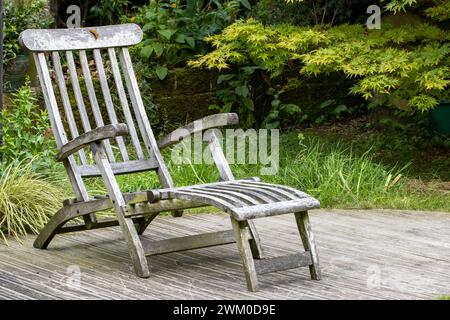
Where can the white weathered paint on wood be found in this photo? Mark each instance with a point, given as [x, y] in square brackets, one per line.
[81, 38]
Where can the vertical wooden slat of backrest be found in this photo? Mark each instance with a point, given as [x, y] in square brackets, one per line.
[108, 100]
[77, 91]
[57, 126]
[141, 116]
[94, 102]
[66, 102]
[124, 102]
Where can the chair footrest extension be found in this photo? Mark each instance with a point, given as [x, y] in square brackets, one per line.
[189, 242]
[287, 262]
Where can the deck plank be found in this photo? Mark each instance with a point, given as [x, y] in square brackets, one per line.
[371, 254]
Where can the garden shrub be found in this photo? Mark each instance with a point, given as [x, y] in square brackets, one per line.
[18, 17]
[311, 12]
[405, 66]
[417, 72]
[26, 131]
[173, 32]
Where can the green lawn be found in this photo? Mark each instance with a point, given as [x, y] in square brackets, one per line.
[336, 173]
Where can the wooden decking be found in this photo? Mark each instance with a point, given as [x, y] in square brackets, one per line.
[364, 255]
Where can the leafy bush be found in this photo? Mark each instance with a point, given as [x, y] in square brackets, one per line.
[19, 16]
[407, 65]
[27, 200]
[26, 131]
[173, 33]
[311, 12]
[244, 88]
[107, 11]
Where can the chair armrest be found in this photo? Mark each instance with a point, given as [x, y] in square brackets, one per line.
[95, 135]
[209, 122]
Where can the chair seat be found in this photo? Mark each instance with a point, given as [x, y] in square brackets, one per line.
[247, 199]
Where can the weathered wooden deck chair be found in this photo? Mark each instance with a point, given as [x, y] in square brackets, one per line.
[138, 151]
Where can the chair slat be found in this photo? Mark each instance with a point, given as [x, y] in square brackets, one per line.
[66, 102]
[232, 194]
[77, 91]
[94, 102]
[132, 166]
[288, 191]
[231, 201]
[141, 116]
[124, 103]
[240, 194]
[263, 197]
[57, 126]
[108, 101]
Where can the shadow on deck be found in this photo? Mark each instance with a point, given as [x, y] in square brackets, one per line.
[373, 254]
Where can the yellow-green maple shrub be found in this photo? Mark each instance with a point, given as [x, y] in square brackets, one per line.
[410, 63]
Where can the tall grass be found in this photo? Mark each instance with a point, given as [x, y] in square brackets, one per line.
[27, 200]
[334, 174]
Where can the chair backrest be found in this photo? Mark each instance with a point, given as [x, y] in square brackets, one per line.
[96, 61]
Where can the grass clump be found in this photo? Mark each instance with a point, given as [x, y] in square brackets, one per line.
[333, 173]
[27, 200]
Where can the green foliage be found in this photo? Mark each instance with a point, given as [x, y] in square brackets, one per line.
[311, 12]
[236, 95]
[173, 33]
[26, 131]
[27, 200]
[440, 12]
[407, 63]
[20, 16]
[108, 11]
[331, 171]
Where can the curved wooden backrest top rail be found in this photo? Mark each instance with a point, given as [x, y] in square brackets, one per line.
[81, 38]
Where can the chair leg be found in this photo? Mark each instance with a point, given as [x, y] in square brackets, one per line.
[242, 235]
[307, 236]
[49, 231]
[141, 227]
[122, 212]
[53, 226]
[255, 242]
[134, 244]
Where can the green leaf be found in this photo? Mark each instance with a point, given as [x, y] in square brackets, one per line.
[246, 4]
[147, 51]
[248, 103]
[340, 108]
[242, 91]
[326, 103]
[158, 48]
[190, 41]
[161, 72]
[167, 33]
[180, 38]
[224, 77]
[227, 107]
[249, 70]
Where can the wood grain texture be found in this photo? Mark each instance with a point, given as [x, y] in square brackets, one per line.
[125, 167]
[409, 251]
[208, 122]
[98, 134]
[122, 211]
[203, 240]
[81, 38]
